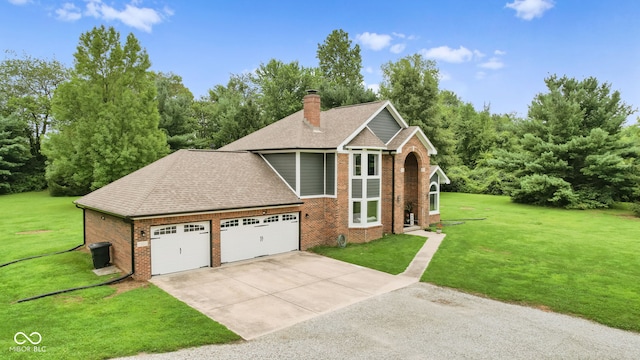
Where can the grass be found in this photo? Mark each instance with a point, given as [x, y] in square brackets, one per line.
[584, 263]
[391, 254]
[95, 323]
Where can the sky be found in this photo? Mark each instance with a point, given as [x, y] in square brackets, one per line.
[493, 53]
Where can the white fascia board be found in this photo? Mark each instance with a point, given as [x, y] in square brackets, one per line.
[431, 150]
[440, 172]
[386, 104]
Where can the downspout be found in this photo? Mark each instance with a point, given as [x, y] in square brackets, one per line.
[393, 192]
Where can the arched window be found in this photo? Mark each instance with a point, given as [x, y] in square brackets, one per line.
[434, 198]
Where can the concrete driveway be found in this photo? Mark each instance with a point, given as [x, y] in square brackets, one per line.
[259, 296]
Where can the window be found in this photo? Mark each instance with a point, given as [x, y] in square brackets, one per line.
[288, 217]
[357, 212]
[372, 164]
[165, 230]
[434, 197]
[271, 219]
[230, 223]
[250, 221]
[372, 211]
[365, 188]
[357, 164]
[193, 227]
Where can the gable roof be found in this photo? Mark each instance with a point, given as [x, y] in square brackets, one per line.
[443, 177]
[193, 181]
[403, 136]
[337, 125]
[366, 138]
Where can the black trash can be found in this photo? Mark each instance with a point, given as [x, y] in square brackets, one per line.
[100, 254]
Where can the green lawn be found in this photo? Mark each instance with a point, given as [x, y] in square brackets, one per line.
[95, 323]
[585, 263]
[391, 254]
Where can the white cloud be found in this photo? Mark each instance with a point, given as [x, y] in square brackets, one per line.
[448, 54]
[478, 54]
[141, 18]
[444, 76]
[374, 41]
[68, 12]
[500, 52]
[480, 75]
[368, 70]
[374, 87]
[19, 2]
[529, 9]
[493, 64]
[397, 48]
[399, 35]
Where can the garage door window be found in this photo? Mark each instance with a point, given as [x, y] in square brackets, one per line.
[250, 221]
[271, 219]
[165, 230]
[288, 217]
[193, 227]
[230, 223]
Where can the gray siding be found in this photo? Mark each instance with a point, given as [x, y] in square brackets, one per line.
[356, 188]
[330, 176]
[373, 188]
[311, 174]
[434, 177]
[384, 126]
[285, 165]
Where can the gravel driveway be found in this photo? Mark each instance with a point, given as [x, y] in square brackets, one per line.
[423, 321]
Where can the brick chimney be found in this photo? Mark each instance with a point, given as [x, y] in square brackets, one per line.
[311, 108]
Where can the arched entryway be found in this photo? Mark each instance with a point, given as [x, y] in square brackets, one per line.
[411, 190]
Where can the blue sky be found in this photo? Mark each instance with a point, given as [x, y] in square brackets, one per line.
[495, 52]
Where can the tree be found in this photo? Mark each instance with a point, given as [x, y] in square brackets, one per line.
[206, 126]
[176, 112]
[411, 84]
[572, 152]
[106, 116]
[281, 88]
[340, 63]
[341, 70]
[27, 85]
[14, 154]
[236, 111]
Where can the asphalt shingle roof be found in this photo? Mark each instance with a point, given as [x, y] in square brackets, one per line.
[193, 181]
[293, 132]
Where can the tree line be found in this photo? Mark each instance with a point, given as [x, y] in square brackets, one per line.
[75, 129]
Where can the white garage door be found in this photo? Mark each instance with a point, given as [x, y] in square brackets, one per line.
[250, 237]
[180, 247]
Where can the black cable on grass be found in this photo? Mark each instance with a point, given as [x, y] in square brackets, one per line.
[39, 256]
[76, 288]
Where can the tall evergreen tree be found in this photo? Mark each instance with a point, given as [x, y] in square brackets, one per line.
[14, 154]
[176, 112]
[572, 152]
[106, 117]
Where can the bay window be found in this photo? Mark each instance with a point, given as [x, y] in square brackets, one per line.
[365, 188]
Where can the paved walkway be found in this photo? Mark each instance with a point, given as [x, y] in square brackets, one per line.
[256, 297]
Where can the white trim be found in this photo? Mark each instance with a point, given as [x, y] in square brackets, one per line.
[441, 173]
[278, 174]
[386, 105]
[437, 194]
[431, 150]
[364, 177]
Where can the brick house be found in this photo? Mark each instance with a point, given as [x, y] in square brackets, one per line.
[297, 183]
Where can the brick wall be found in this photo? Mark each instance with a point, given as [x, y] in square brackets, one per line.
[103, 227]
